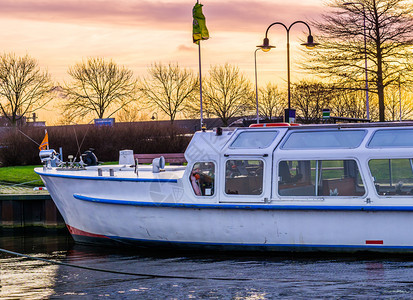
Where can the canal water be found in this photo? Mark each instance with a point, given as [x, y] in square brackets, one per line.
[246, 276]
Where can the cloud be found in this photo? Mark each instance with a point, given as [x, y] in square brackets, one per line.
[228, 16]
[187, 48]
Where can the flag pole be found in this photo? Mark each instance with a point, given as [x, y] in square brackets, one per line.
[199, 33]
[45, 133]
[200, 79]
[200, 83]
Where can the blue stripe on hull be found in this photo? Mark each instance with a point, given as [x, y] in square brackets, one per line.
[245, 206]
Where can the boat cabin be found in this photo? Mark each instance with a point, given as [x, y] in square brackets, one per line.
[310, 163]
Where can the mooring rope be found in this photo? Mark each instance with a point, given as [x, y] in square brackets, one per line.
[83, 139]
[28, 137]
[11, 184]
[24, 183]
[145, 275]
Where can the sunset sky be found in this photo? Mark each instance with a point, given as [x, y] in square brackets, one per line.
[137, 33]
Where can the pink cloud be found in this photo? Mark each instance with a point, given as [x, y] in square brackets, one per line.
[187, 48]
[229, 16]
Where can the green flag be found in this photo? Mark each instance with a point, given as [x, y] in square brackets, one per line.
[199, 30]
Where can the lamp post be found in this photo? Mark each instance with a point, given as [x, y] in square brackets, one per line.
[256, 85]
[365, 56]
[309, 45]
[268, 48]
[400, 100]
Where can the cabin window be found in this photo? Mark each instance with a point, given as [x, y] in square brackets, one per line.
[202, 178]
[333, 178]
[392, 138]
[392, 176]
[337, 139]
[254, 139]
[244, 177]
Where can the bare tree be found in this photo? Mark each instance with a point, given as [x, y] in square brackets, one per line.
[389, 39]
[393, 102]
[348, 102]
[192, 108]
[98, 87]
[271, 102]
[169, 88]
[310, 98]
[133, 113]
[24, 88]
[227, 93]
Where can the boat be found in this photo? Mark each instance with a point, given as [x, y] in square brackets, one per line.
[330, 187]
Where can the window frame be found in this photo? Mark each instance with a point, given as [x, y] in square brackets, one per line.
[373, 177]
[243, 195]
[317, 160]
[215, 180]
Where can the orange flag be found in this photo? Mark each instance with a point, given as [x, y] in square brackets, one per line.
[45, 143]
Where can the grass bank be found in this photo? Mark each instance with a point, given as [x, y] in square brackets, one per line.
[26, 174]
[20, 174]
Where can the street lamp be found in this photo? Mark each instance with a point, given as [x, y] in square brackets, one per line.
[265, 49]
[365, 55]
[309, 45]
[153, 116]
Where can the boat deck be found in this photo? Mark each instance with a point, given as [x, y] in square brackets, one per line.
[119, 172]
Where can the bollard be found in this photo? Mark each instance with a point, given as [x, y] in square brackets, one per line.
[136, 167]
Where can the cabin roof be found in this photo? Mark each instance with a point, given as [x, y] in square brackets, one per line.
[207, 145]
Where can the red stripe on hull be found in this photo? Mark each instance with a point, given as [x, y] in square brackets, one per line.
[76, 231]
[374, 242]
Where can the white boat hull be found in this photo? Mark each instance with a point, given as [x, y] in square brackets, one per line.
[115, 218]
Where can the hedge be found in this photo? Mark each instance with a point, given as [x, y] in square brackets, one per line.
[17, 149]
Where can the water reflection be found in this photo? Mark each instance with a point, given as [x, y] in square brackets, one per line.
[269, 276]
[21, 278]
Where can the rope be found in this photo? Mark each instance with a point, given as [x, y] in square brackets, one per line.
[83, 139]
[23, 183]
[87, 129]
[28, 137]
[145, 275]
[11, 184]
[77, 142]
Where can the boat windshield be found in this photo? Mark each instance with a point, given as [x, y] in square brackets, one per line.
[392, 138]
[337, 139]
[254, 139]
